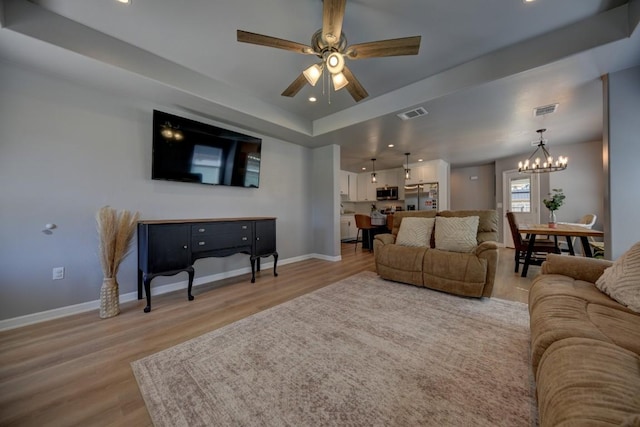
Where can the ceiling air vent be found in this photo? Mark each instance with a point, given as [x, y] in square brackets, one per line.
[544, 110]
[412, 114]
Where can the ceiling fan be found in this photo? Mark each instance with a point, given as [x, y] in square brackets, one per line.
[330, 45]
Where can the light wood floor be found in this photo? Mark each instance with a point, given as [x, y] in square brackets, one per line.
[76, 370]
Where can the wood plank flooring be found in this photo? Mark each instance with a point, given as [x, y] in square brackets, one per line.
[76, 370]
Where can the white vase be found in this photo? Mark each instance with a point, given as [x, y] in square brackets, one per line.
[552, 219]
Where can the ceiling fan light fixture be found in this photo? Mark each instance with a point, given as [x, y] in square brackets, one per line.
[335, 62]
[313, 74]
[339, 81]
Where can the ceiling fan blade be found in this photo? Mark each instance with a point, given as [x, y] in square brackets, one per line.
[358, 93]
[392, 47]
[262, 40]
[295, 87]
[332, 16]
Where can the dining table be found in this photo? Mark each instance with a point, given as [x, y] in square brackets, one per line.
[558, 230]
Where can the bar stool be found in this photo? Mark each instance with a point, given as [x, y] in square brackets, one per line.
[363, 222]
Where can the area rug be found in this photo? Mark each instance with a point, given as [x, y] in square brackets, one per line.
[360, 352]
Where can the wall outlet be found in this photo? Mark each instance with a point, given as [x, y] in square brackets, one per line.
[58, 273]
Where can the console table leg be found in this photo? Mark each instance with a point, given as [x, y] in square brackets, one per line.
[190, 271]
[139, 284]
[147, 290]
[275, 263]
[253, 270]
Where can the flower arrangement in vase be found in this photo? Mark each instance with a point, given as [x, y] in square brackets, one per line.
[115, 232]
[553, 204]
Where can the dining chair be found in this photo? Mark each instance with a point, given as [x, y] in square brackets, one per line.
[363, 222]
[587, 221]
[540, 248]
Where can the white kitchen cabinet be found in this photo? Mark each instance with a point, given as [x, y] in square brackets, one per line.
[344, 183]
[366, 189]
[348, 227]
[348, 185]
[388, 178]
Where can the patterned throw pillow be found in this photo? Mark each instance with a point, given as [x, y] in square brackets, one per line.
[415, 232]
[457, 234]
[621, 281]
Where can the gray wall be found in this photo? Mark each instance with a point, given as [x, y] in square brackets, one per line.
[581, 182]
[621, 155]
[326, 200]
[66, 150]
[468, 193]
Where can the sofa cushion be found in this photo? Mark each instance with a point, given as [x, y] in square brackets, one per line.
[621, 281]
[456, 234]
[400, 215]
[487, 223]
[587, 382]
[561, 309]
[415, 231]
[457, 273]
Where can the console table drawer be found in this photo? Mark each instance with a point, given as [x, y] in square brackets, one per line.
[220, 241]
[216, 228]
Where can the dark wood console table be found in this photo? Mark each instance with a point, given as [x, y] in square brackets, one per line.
[168, 247]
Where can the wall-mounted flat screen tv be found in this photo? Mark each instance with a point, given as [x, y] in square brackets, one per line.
[188, 151]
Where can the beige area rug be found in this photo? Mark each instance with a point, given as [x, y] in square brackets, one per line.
[360, 352]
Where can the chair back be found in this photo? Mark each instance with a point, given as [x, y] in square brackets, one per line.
[588, 220]
[363, 221]
[513, 225]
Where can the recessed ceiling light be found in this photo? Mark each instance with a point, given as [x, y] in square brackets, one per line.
[528, 1]
[420, 160]
[364, 169]
[312, 99]
[124, 1]
[390, 145]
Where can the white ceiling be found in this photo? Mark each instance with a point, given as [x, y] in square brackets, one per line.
[482, 68]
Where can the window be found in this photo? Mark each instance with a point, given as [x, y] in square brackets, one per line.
[521, 195]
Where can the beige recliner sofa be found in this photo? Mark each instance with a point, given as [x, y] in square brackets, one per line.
[467, 274]
[585, 347]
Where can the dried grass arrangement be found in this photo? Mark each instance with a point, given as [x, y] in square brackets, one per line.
[115, 231]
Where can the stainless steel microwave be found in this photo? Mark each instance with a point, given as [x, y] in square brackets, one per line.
[387, 193]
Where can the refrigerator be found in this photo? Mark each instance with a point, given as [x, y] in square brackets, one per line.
[422, 197]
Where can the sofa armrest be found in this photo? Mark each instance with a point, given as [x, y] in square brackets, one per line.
[578, 268]
[486, 246]
[488, 251]
[386, 238]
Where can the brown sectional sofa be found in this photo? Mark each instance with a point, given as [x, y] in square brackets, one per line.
[585, 347]
[466, 274]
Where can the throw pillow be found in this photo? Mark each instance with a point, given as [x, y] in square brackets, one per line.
[621, 281]
[415, 232]
[457, 234]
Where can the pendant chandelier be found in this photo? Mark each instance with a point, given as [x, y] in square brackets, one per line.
[374, 179]
[533, 163]
[407, 171]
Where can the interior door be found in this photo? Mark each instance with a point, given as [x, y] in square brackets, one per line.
[521, 194]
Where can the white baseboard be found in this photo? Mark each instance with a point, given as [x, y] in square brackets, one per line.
[56, 313]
